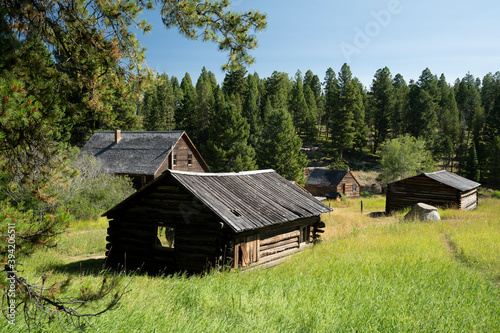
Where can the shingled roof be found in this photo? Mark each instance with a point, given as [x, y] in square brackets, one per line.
[245, 200]
[139, 153]
[453, 180]
[326, 177]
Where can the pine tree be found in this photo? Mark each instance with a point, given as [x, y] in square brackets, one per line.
[313, 82]
[185, 115]
[251, 111]
[227, 148]
[331, 100]
[358, 106]
[204, 106]
[235, 82]
[383, 106]
[473, 172]
[277, 88]
[303, 119]
[280, 148]
[424, 98]
[342, 120]
[399, 121]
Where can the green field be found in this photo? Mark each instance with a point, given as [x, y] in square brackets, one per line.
[369, 275]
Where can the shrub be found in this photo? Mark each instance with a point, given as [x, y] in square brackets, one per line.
[91, 192]
[496, 194]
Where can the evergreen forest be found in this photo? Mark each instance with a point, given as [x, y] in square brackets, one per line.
[263, 122]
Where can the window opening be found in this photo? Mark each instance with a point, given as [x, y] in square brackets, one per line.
[175, 160]
[165, 237]
[190, 159]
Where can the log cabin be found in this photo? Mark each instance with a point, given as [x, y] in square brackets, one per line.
[325, 182]
[193, 222]
[143, 156]
[441, 188]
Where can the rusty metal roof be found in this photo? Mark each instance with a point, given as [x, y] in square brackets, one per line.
[252, 199]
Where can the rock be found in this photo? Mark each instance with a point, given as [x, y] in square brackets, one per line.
[423, 212]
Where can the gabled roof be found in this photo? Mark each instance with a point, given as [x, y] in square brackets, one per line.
[138, 153]
[453, 180]
[246, 200]
[326, 177]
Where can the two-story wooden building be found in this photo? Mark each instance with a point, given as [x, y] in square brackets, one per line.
[143, 156]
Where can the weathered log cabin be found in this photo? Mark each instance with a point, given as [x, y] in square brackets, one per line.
[441, 188]
[320, 181]
[196, 221]
[144, 156]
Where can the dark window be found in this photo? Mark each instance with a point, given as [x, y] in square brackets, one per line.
[165, 237]
[175, 160]
[354, 187]
[190, 159]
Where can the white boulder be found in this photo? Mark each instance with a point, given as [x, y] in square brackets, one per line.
[423, 212]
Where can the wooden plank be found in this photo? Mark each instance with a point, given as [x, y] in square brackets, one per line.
[295, 233]
[280, 243]
[278, 249]
[244, 254]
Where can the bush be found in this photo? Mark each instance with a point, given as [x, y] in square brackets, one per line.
[496, 194]
[404, 157]
[91, 192]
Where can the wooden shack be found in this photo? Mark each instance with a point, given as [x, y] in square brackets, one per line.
[195, 221]
[441, 188]
[143, 156]
[321, 182]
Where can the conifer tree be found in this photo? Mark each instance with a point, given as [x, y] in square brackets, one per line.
[331, 100]
[303, 119]
[277, 88]
[251, 111]
[342, 120]
[280, 148]
[358, 107]
[205, 104]
[399, 121]
[185, 115]
[383, 106]
[424, 99]
[473, 172]
[227, 148]
[235, 82]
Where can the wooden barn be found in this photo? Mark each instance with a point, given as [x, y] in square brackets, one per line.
[322, 182]
[144, 155]
[195, 221]
[441, 188]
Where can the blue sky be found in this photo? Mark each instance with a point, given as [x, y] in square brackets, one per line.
[450, 37]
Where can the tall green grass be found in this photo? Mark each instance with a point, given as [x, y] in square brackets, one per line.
[369, 275]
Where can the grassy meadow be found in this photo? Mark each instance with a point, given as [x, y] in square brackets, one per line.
[368, 275]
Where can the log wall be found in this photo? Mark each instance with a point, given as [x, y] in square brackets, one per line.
[270, 245]
[407, 192]
[200, 239]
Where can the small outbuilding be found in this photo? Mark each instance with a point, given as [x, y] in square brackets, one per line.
[325, 183]
[195, 221]
[143, 156]
[441, 188]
